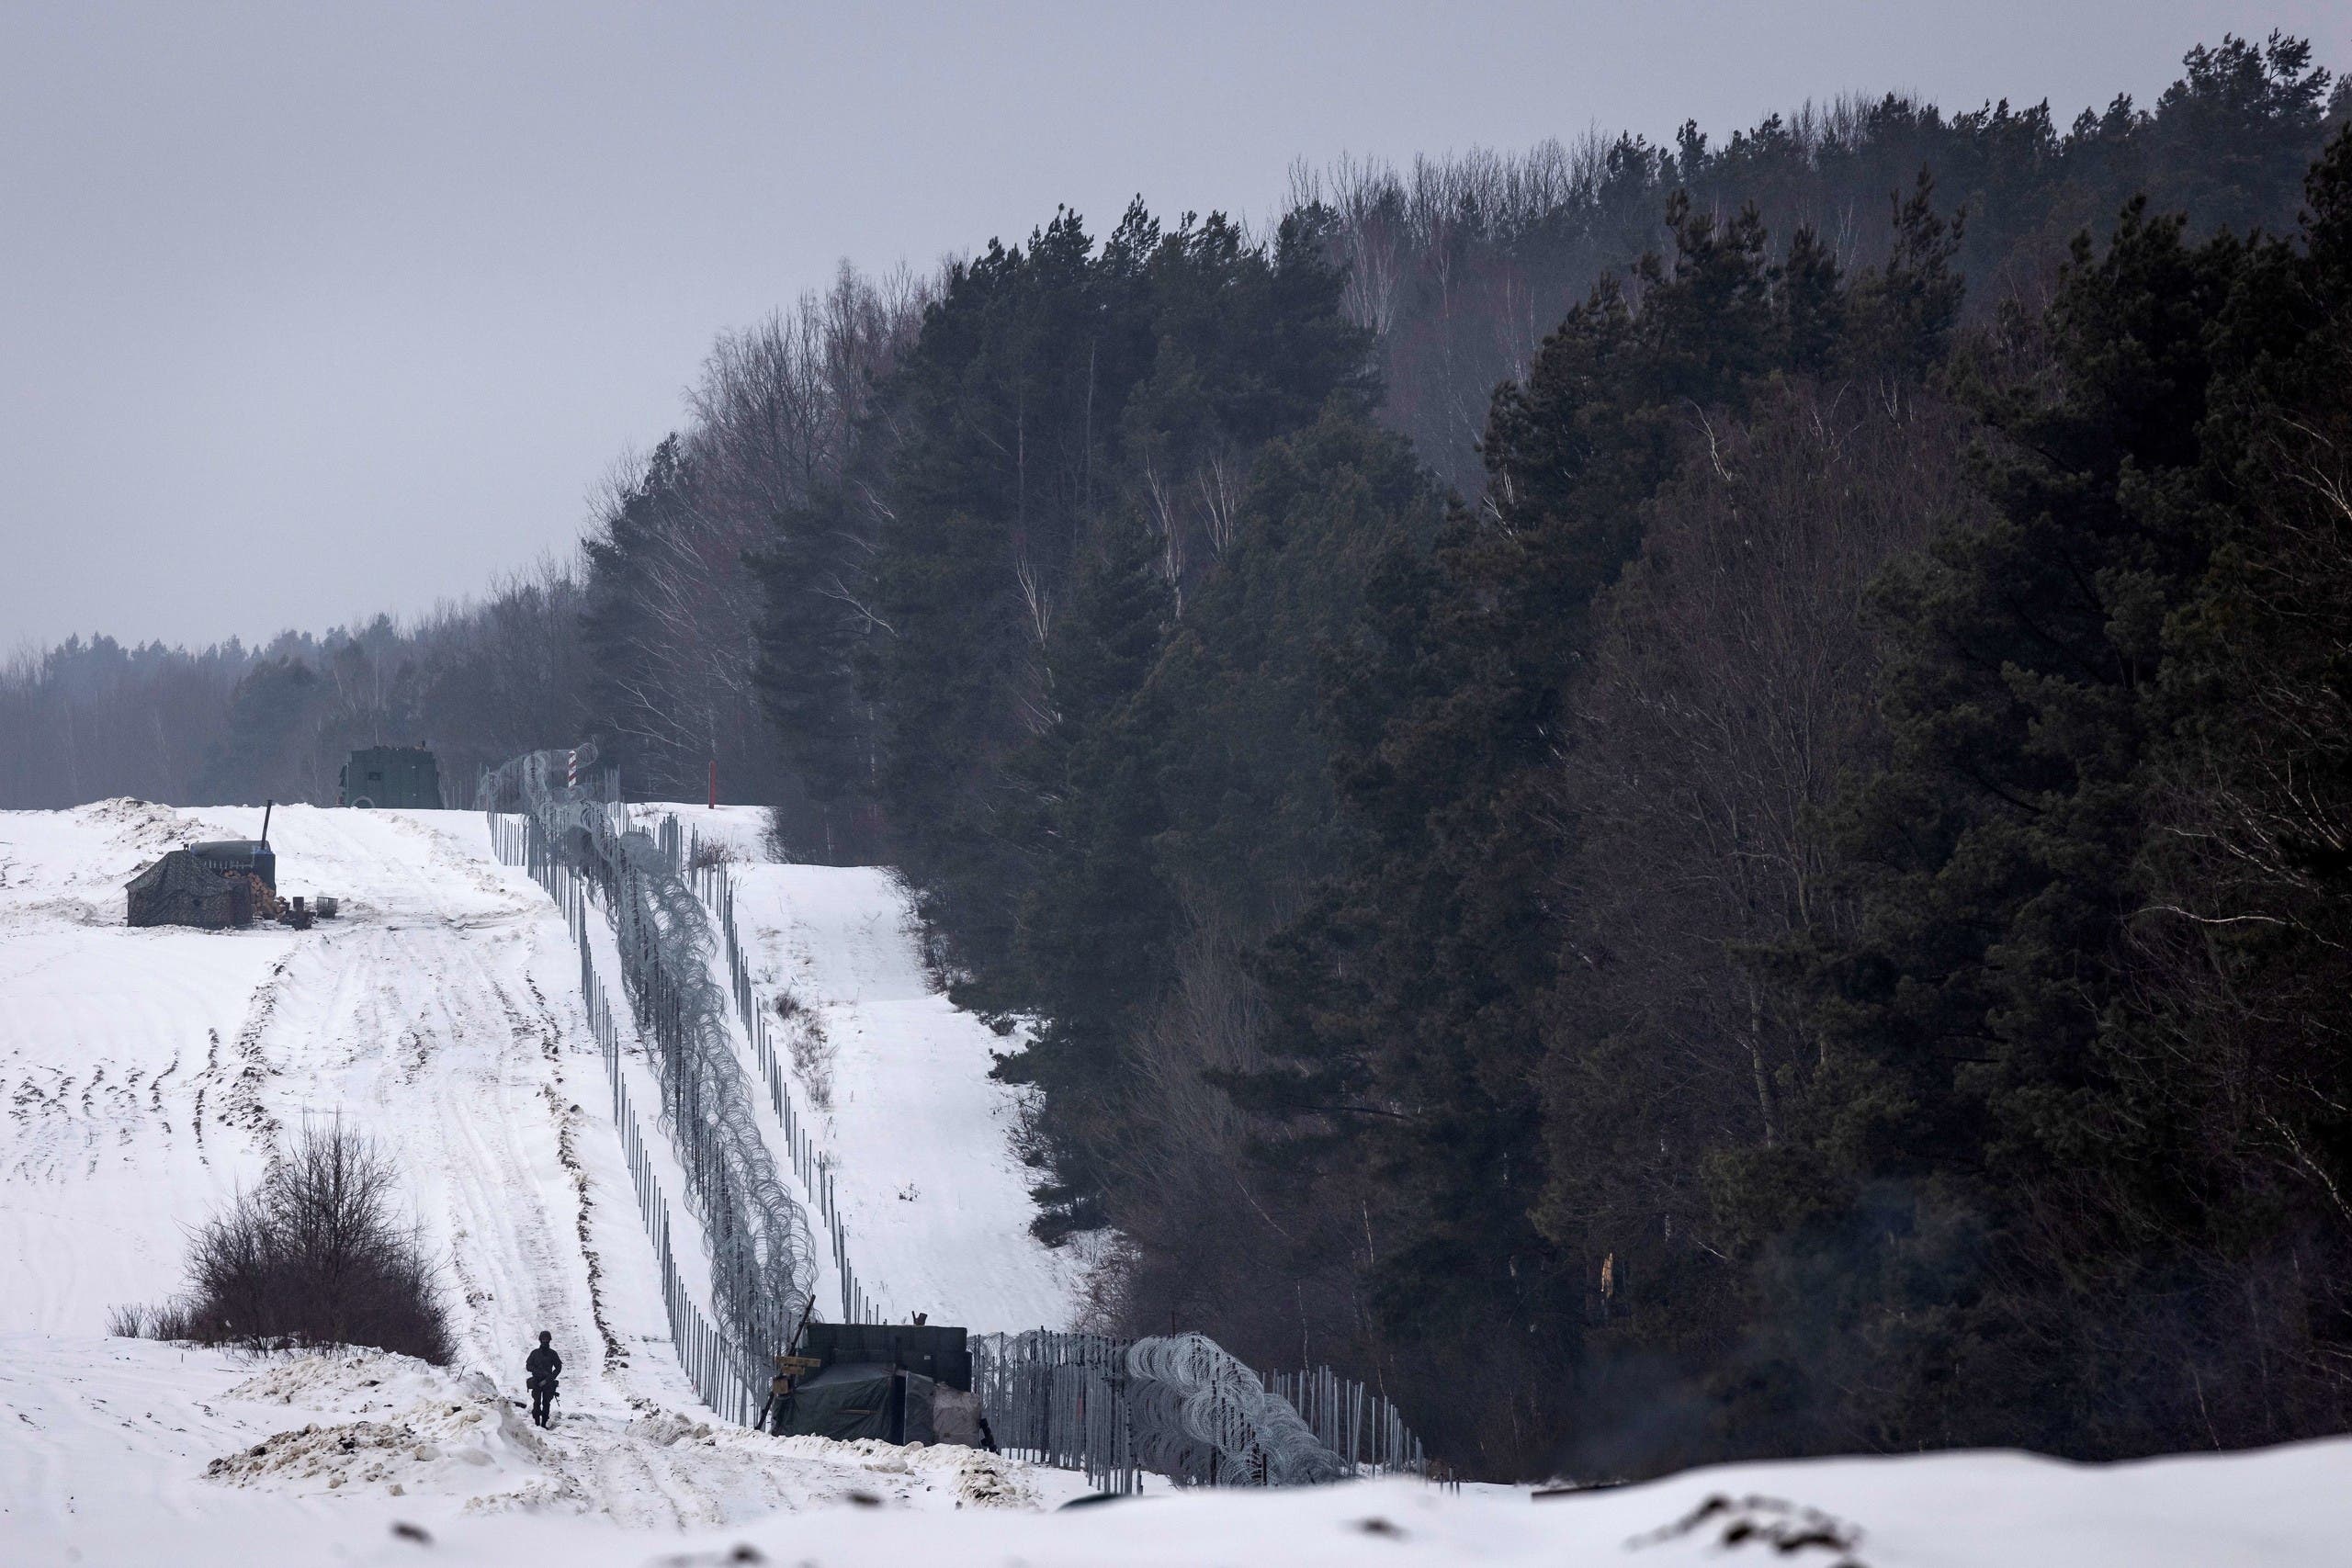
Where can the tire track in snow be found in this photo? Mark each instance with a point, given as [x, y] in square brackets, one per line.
[406, 1018]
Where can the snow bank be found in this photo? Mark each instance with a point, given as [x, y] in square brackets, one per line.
[185, 1447]
[125, 1452]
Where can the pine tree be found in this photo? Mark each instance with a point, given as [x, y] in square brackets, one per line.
[816, 635]
[1963, 1076]
[1415, 996]
[1066, 444]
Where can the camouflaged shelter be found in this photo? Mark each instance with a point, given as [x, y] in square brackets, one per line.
[183, 890]
[397, 776]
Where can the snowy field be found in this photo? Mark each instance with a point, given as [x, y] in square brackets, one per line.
[148, 1073]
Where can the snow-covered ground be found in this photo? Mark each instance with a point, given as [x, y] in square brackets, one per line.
[128, 1452]
[148, 1073]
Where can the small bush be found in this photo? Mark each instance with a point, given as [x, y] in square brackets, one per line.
[812, 1054]
[312, 1257]
[172, 1320]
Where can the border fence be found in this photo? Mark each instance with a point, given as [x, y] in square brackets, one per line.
[715, 888]
[1352, 1420]
[710, 1366]
[757, 1236]
[1179, 1406]
[1059, 1399]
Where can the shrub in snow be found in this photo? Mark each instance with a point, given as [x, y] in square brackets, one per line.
[312, 1257]
[812, 1053]
[169, 1321]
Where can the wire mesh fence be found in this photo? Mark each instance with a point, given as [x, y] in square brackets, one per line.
[715, 885]
[1059, 1399]
[1180, 1405]
[1352, 1420]
[713, 1371]
[757, 1236]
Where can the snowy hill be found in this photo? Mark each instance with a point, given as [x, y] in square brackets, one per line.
[148, 1073]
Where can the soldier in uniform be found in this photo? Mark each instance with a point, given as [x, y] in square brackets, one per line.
[779, 1400]
[543, 1366]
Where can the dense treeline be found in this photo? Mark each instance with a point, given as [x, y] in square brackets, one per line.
[233, 724]
[1462, 265]
[676, 606]
[1483, 924]
[1788, 895]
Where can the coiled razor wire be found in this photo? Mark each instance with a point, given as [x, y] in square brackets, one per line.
[1179, 1406]
[763, 1257]
[1194, 1403]
[817, 1170]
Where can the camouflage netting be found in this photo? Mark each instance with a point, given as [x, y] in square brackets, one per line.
[182, 890]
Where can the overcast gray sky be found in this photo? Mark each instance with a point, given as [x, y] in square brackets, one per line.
[312, 310]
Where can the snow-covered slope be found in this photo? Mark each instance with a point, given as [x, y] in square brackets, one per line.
[149, 1073]
[935, 1199]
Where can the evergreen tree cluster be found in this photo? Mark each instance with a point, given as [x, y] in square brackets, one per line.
[1654, 955]
[1066, 483]
[1462, 263]
[236, 724]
